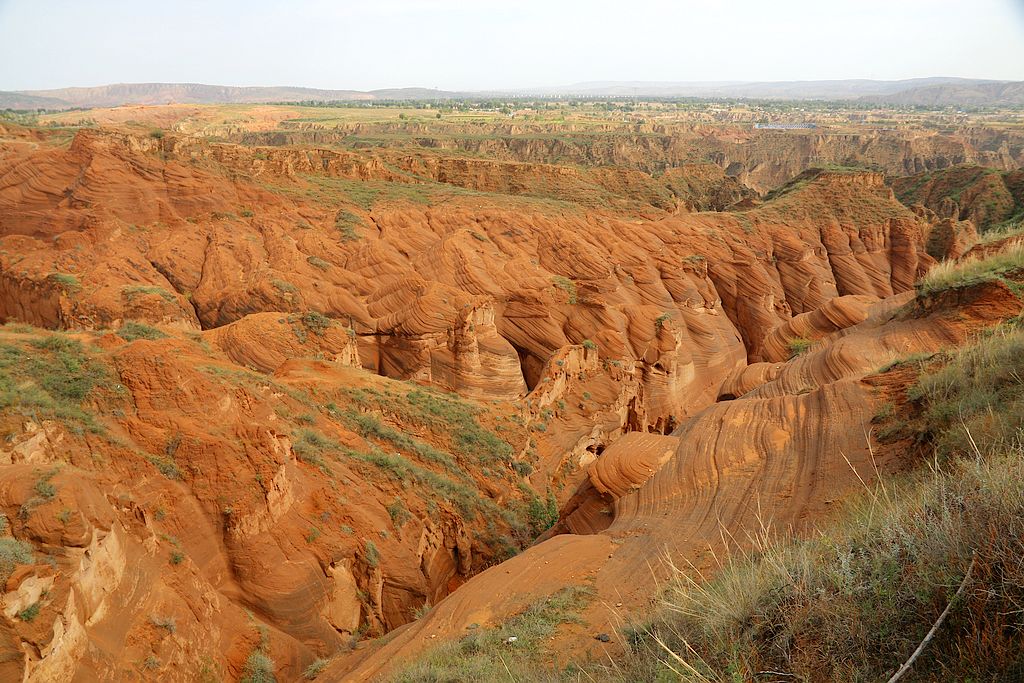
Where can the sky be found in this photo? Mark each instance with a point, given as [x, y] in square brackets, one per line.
[486, 44]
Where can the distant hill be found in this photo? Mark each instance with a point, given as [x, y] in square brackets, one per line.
[940, 92]
[167, 93]
[979, 94]
[850, 89]
[417, 94]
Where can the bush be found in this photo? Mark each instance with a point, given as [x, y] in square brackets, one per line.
[131, 331]
[315, 322]
[134, 291]
[976, 396]
[168, 624]
[798, 346]
[30, 612]
[318, 262]
[67, 282]
[972, 271]
[51, 379]
[315, 669]
[346, 222]
[398, 512]
[567, 286]
[372, 555]
[12, 553]
[259, 668]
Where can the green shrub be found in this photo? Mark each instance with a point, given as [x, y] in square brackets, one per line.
[12, 553]
[30, 612]
[318, 262]
[972, 271]
[134, 291]
[542, 514]
[315, 669]
[398, 512]
[371, 554]
[798, 346]
[976, 395]
[309, 445]
[567, 286]
[284, 286]
[346, 222]
[51, 379]
[315, 322]
[259, 668]
[66, 281]
[132, 330]
[166, 466]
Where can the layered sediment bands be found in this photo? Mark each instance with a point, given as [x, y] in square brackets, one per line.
[761, 159]
[773, 460]
[836, 314]
[251, 483]
[983, 196]
[264, 341]
[621, 469]
[672, 295]
[211, 504]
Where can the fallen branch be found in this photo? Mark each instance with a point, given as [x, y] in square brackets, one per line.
[935, 627]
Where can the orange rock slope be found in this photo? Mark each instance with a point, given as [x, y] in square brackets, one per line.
[243, 455]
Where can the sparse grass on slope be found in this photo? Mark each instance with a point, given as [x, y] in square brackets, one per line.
[1002, 231]
[854, 603]
[952, 274]
[49, 377]
[486, 654]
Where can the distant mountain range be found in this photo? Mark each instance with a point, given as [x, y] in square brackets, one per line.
[937, 92]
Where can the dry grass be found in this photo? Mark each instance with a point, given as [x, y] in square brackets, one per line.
[486, 654]
[854, 603]
[1002, 232]
[951, 274]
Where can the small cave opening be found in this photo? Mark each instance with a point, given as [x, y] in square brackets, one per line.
[596, 448]
[529, 366]
[665, 425]
[725, 397]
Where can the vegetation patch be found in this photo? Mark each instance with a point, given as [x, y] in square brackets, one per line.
[972, 271]
[310, 322]
[798, 346]
[12, 553]
[135, 291]
[69, 283]
[515, 647]
[854, 603]
[52, 378]
[346, 223]
[132, 330]
[567, 286]
[318, 263]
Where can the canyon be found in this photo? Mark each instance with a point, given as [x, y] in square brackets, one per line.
[332, 387]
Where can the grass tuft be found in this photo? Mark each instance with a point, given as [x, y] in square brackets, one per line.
[972, 271]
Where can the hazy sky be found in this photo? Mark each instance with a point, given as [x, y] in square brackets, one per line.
[476, 44]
